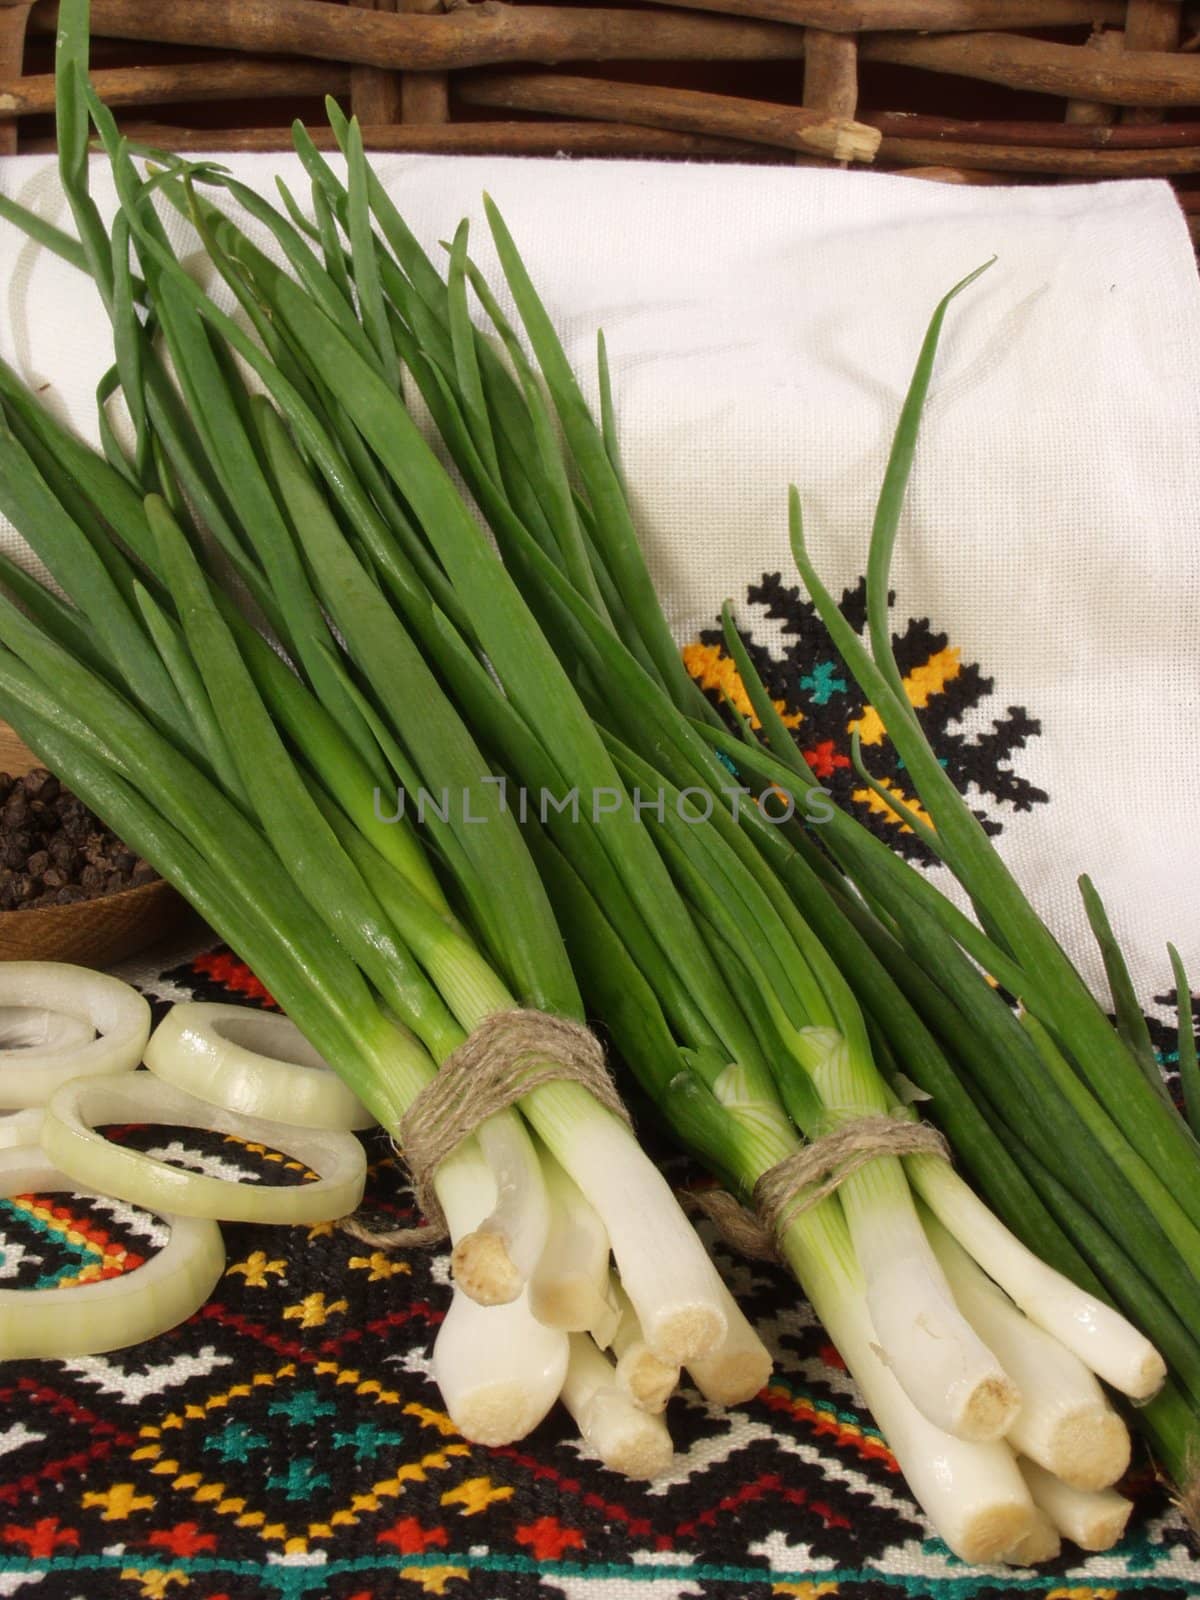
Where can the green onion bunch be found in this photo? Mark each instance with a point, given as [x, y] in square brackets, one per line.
[280, 606]
[250, 778]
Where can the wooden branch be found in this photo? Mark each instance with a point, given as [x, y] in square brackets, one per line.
[1150, 25]
[1143, 78]
[789, 127]
[424, 96]
[235, 79]
[910, 125]
[472, 36]
[464, 138]
[1097, 113]
[830, 72]
[374, 92]
[1030, 158]
[14, 20]
[926, 16]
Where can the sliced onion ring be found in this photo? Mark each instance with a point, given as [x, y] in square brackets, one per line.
[88, 1318]
[70, 1139]
[254, 1062]
[20, 1127]
[59, 1022]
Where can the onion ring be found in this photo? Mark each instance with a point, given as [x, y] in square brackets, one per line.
[70, 1139]
[59, 1022]
[89, 1318]
[254, 1062]
[21, 1127]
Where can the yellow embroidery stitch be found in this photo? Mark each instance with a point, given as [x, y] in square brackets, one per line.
[256, 1267]
[117, 1502]
[713, 669]
[921, 684]
[475, 1495]
[312, 1311]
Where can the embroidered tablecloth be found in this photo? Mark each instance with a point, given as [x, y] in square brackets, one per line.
[288, 1442]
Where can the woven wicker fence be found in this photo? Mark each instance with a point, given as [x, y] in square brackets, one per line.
[970, 91]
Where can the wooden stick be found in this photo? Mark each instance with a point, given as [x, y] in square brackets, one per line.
[464, 138]
[1029, 158]
[234, 79]
[471, 36]
[1150, 25]
[830, 72]
[374, 92]
[933, 16]
[1097, 113]
[1134, 78]
[790, 127]
[910, 125]
[424, 96]
[13, 22]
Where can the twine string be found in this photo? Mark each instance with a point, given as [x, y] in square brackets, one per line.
[509, 1054]
[1186, 1496]
[809, 1175]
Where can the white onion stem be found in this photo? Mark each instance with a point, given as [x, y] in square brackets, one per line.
[1101, 1337]
[740, 1365]
[90, 1318]
[626, 1439]
[1095, 1519]
[646, 1379]
[660, 1257]
[1041, 1543]
[494, 1261]
[499, 1369]
[569, 1286]
[70, 1139]
[1065, 1422]
[940, 1361]
[255, 1062]
[972, 1492]
[59, 1022]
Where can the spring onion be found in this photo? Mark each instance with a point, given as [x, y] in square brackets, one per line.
[1042, 1543]
[1094, 1521]
[1109, 1345]
[738, 1368]
[625, 1436]
[645, 1378]
[1064, 1423]
[569, 1287]
[498, 1368]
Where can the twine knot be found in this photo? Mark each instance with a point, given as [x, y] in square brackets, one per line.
[809, 1175]
[509, 1054]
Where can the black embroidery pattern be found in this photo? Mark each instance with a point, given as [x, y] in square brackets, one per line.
[811, 682]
